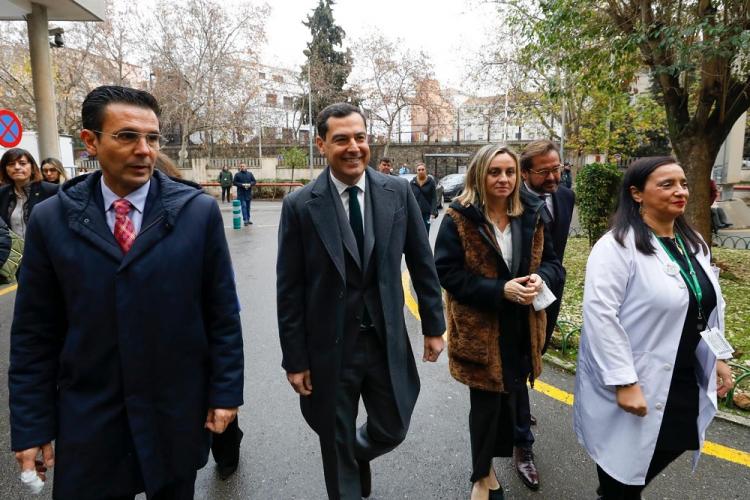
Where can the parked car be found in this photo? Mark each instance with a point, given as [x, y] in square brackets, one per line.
[451, 186]
[438, 190]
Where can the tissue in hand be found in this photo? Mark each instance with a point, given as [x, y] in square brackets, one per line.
[32, 481]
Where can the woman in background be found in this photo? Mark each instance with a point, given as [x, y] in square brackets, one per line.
[53, 171]
[22, 188]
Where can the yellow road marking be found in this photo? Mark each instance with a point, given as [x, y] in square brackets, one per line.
[411, 304]
[8, 289]
[709, 448]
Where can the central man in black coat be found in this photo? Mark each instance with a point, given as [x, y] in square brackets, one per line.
[341, 302]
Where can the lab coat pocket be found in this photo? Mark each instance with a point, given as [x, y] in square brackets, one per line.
[643, 362]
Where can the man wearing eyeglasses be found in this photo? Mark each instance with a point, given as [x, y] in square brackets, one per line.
[541, 170]
[126, 343]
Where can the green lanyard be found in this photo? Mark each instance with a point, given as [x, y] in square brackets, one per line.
[691, 279]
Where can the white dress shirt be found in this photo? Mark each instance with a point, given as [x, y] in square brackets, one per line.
[344, 195]
[137, 201]
[505, 242]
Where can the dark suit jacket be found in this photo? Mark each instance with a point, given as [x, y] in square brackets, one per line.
[120, 356]
[312, 293]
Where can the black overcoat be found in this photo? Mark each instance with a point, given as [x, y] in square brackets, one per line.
[311, 289]
[118, 357]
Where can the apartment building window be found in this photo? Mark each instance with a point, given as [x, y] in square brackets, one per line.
[278, 78]
[271, 99]
[288, 102]
[261, 75]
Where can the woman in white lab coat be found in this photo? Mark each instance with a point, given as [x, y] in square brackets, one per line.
[646, 382]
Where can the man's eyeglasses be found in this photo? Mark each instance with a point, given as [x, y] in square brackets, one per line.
[547, 171]
[130, 137]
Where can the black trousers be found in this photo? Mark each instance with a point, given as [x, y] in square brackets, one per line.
[612, 489]
[365, 374]
[183, 489]
[491, 425]
[522, 435]
[226, 193]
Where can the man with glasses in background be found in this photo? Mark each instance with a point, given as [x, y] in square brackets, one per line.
[541, 170]
[126, 343]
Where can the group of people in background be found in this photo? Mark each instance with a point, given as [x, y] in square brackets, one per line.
[96, 337]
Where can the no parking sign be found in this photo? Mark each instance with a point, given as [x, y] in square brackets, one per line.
[10, 129]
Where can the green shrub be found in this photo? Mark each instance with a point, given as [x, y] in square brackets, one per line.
[597, 186]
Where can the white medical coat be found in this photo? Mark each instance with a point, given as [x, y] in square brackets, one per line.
[634, 310]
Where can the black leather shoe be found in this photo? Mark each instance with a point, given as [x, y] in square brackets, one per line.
[532, 419]
[365, 478]
[225, 471]
[523, 460]
[497, 494]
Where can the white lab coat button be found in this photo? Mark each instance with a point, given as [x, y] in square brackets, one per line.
[667, 367]
[659, 406]
[682, 285]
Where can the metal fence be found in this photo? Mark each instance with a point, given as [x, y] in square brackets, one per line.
[732, 241]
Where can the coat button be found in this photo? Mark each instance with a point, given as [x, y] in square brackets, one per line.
[86, 221]
[667, 367]
[659, 406]
[682, 285]
[341, 295]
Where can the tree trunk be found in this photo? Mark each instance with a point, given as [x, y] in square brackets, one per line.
[696, 155]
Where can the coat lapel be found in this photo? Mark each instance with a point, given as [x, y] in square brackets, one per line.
[384, 204]
[90, 223]
[347, 235]
[324, 217]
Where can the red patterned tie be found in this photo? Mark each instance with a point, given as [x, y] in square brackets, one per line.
[124, 229]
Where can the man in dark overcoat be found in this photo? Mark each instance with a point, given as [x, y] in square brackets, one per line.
[541, 171]
[341, 302]
[126, 344]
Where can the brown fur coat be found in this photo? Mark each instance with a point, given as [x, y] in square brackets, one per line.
[473, 333]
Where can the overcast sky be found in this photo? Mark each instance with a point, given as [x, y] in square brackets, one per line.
[450, 31]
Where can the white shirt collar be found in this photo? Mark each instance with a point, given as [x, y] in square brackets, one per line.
[137, 198]
[341, 187]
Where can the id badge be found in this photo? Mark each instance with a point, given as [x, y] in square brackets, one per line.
[717, 343]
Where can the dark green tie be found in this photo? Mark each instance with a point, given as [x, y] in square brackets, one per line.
[355, 221]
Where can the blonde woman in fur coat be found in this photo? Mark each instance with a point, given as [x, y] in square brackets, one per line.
[494, 256]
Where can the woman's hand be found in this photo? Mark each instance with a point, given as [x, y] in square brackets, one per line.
[535, 282]
[515, 290]
[725, 380]
[631, 400]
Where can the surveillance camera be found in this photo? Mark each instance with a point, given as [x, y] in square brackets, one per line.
[59, 42]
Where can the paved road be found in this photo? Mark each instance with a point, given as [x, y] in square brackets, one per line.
[280, 455]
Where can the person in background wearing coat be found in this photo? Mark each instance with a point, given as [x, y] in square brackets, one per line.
[340, 302]
[22, 188]
[53, 171]
[227, 181]
[646, 383]
[424, 188]
[540, 168]
[126, 343]
[493, 256]
[245, 181]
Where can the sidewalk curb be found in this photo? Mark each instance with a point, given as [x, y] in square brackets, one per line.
[571, 368]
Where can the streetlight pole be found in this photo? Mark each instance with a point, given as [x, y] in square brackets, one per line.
[309, 117]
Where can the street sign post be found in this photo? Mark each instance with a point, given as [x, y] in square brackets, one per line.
[11, 130]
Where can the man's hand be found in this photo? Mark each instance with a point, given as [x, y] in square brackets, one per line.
[28, 459]
[725, 380]
[433, 346]
[218, 419]
[301, 382]
[631, 400]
